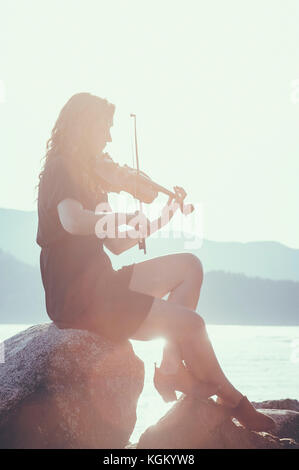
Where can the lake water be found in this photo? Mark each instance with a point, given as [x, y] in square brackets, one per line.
[261, 361]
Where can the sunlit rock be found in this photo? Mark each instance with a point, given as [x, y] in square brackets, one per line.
[67, 389]
[203, 424]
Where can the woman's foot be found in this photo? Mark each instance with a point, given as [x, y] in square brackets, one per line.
[182, 381]
[249, 417]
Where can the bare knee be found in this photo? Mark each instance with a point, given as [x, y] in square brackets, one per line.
[173, 322]
[190, 325]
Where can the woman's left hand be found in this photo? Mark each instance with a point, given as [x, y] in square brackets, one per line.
[180, 194]
[172, 204]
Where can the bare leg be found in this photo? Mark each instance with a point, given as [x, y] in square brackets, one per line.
[206, 370]
[185, 331]
[186, 294]
[181, 275]
[183, 328]
[209, 369]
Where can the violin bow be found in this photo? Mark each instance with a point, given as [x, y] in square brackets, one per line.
[141, 241]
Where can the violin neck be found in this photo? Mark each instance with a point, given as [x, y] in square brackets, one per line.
[161, 189]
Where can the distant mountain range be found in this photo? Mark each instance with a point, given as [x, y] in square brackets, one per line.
[245, 283]
[270, 260]
[235, 299]
[21, 292]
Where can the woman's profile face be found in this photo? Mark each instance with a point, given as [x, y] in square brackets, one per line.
[99, 135]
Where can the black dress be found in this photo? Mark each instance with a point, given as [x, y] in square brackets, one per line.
[81, 287]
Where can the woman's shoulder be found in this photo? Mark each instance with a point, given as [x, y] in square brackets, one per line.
[57, 184]
[65, 180]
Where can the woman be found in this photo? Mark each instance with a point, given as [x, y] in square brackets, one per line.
[84, 291]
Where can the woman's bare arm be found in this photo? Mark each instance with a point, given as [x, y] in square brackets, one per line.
[75, 219]
[79, 221]
[123, 241]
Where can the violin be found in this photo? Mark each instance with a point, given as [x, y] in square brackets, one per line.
[115, 178]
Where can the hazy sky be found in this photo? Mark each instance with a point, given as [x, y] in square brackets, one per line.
[210, 82]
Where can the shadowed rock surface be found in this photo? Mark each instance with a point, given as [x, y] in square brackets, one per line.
[203, 424]
[67, 389]
[283, 404]
[286, 415]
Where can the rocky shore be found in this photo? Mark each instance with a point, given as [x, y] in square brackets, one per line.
[199, 424]
[72, 389]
